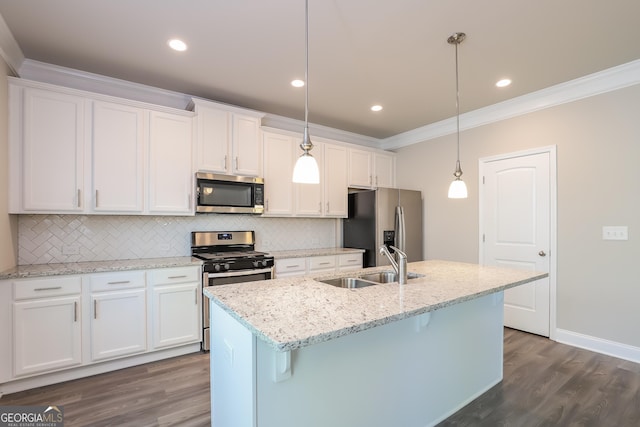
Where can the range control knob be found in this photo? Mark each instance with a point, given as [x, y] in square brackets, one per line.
[264, 262]
[226, 266]
[216, 267]
[256, 263]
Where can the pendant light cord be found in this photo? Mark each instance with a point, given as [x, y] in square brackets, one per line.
[306, 67]
[457, 111]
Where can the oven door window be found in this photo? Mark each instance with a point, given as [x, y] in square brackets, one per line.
[213, 281]
[226, 194]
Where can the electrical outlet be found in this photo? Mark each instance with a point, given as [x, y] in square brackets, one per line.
[615, 232]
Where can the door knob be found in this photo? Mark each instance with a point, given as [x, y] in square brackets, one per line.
[542, 253]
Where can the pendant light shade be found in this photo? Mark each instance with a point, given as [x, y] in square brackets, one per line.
[457, 189]
[306, 168]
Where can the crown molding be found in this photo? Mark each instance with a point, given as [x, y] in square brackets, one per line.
[593, 84]
[294, 125]
[82, 80]
[9, 48]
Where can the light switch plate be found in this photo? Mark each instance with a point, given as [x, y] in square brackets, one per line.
[619, 232]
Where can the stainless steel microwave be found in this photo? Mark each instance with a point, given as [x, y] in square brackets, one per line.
[229, 194]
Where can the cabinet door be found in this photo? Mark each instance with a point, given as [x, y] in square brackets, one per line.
[53, 141]
[360, 168]
[214, 134]
[176, 314]
[47, 335]
[118, 324]
[335, 181]
[384, 167]
[246, 146]
[278, 175]
[310, 197]
[290, 267]
[117, 150]
[170, 172]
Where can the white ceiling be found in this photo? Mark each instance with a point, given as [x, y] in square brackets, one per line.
[361, 52]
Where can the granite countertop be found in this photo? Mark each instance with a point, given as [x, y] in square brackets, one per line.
[303, 253]
[296, 312]
[43, 270]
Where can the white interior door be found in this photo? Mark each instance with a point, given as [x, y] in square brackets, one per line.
[515, 209]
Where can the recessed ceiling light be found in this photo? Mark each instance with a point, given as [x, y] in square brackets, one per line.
[503, 82]
[178, 45]
[297, 83]
[376, 108]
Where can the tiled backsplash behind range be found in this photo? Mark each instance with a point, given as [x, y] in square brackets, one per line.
[44, 239]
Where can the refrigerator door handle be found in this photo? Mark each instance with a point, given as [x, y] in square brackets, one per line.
[400, 231]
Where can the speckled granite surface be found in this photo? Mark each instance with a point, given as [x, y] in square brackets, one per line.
[43, 270]
[295, 312]
[303, 253]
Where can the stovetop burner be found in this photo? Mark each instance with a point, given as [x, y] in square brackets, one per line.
[224, 251]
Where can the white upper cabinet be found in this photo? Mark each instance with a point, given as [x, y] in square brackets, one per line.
[371, 169]
[117, 157]
[278, 174]
[228, 141]
[170, 173]
[384, 166]
[335, 181]
[51, 154]
[72, 151]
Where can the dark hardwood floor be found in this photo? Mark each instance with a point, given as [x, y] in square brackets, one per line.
[545, 384]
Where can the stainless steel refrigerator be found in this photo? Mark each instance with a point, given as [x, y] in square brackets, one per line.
[388, 216]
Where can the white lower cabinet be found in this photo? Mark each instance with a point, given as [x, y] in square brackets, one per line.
[175, 308]
[118, 315]
[46, 325]
[65, 327]
[302, 266]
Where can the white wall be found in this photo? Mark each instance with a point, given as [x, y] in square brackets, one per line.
[8, 223]
[598, 157]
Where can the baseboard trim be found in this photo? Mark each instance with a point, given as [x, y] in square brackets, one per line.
[599, 345]
[40, 380]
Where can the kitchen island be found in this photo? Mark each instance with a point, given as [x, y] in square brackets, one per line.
[296, 351]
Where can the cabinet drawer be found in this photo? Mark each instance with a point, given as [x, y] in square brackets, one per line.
[49, 287]
[166, 276]
[322, 262]
[116, 281]
[347, 261]
[290, 265]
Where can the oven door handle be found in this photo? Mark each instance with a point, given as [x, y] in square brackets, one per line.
[239, 273]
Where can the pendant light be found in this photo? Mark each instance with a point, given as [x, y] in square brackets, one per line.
[306, 169]
[457, 189]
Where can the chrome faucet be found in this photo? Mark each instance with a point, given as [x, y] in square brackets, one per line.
[400, 266]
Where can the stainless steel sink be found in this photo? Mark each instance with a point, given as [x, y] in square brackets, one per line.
[368, 279]
[348, 282]
[387, 276]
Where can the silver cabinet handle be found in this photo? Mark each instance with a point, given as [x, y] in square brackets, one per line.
[53, 288]
[75, 311]
[542, 253]
[225, 162]
[293, 266]
[320, 207]
[121, 282]
[79, 198]
[178, 277]
[96, 198]
[237, 163]
[95, 308]
[196, 292]
[324, 263]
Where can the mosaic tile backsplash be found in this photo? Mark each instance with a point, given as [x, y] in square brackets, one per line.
[44, 239]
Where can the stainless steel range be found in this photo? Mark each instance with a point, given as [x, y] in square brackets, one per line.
[228, 257]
